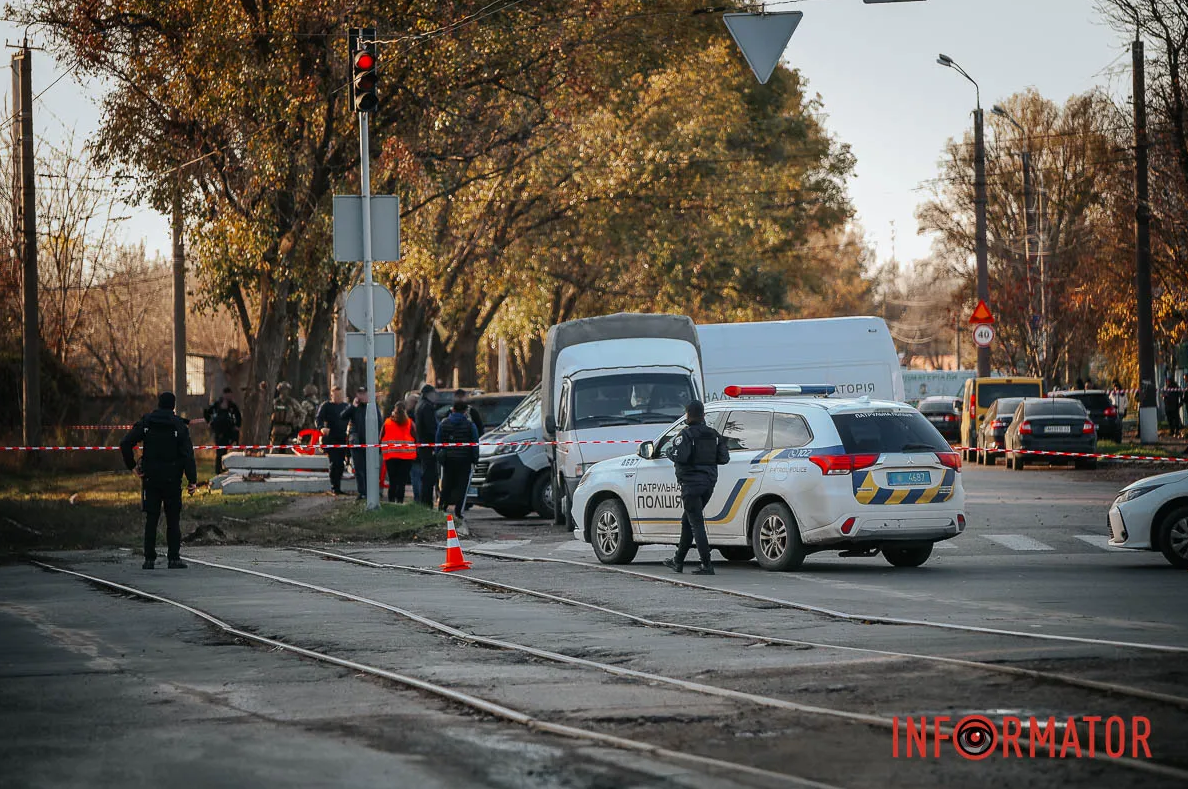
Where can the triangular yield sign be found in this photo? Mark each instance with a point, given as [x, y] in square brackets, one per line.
[981, 314]
[763, 38]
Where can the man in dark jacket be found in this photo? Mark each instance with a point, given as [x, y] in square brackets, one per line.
[166, 454]
[357, 416]
[460, 396]
[225, 420]
[332, 419]
[1171, 407]
[426, 419]
[456, 461]
[696, 453]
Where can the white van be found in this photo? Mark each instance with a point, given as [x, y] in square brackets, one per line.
[856, 355]
[609, 383]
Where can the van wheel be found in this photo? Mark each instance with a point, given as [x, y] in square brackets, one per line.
[542, 496]
[558, 502]
[775, 538]
[908, 556]
[736, 553]
[1173, 537]
[610, 533]
[510, 512]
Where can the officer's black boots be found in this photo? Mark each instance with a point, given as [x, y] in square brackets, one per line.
[675, 564]
[705, 568]
[148, 564]
[177, 564]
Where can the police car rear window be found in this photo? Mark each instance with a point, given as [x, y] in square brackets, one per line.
[888, 431]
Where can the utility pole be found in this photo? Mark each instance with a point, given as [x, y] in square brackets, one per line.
[1148, 415]
[25, 242]
[179, 293]
[980, 210]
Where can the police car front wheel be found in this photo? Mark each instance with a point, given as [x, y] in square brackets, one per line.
[775, 538]
[610, 533]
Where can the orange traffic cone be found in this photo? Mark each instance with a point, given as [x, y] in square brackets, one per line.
[454, 558]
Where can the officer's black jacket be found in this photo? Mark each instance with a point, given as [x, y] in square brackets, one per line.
[696, 453]
[167, 451]
[426, 418]
[336, 417]
[357, 416]
[224, 422]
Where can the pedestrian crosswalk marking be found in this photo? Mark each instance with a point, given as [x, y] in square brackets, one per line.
[1096, 540]
[1017, 542]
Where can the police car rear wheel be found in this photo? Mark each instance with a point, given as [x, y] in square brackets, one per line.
[775, 538]
[610, 533]
[908, 556]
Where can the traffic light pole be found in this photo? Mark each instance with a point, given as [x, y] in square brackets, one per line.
[371, 421]
[980, 213]
[1148, 386]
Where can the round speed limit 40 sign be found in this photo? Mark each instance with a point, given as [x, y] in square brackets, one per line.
[983, 335]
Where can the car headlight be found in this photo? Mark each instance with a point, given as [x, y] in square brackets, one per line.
[582, 480]
[510, 449]
[1134, 493]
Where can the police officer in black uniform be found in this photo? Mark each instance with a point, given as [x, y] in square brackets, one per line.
[166, 454]
[696, 453]
[333, 419]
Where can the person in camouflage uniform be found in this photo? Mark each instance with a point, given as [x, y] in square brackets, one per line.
[310, 402]
[287, 415]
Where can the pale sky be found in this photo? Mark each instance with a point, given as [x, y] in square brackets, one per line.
[875, 69]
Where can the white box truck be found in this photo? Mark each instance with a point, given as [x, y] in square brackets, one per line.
[613, 378]
[856, 354]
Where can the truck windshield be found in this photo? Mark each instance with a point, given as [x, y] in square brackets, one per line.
[525, 416]
[989, 392]
[630, 399]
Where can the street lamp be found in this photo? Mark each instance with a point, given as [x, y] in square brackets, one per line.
[979, 203]
[1027, 227]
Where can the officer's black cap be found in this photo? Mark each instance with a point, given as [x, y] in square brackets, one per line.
[695, 409]
[427, 389]
[166, 400]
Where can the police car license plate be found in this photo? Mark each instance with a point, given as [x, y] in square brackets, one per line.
[936, 419]
[907, 478]
[1058, 429]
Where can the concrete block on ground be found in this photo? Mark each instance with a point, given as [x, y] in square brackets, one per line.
[237, 461]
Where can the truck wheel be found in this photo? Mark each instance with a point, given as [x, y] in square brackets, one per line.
[512, 511]
[1173, 537]
[736, 553]
[542, 495]
[775, 538]
[908, 556]
[610, 533]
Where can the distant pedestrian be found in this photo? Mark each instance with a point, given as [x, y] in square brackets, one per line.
[456, 462]
[400, 430]
[696, 454]
[310, 402]
[426, 419]
[1171, 406]
[166, 454]
[462, 396]
[1080, 384]
[1118, 399]
[357, 414]
[333, 419]
[224, 419]
[286, 416]
[411, 400]
[1184, 401]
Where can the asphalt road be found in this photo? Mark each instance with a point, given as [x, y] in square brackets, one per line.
[103, 689]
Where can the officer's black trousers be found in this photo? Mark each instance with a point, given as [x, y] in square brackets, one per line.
[154, 496]
[455, 476]
[223, 441]
[337, 465]
[359, 462]
[694, 497]
[428, 475]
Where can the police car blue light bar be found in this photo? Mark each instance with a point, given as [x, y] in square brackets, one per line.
[775, 390]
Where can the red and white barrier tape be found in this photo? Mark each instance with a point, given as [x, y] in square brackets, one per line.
[1081, 454]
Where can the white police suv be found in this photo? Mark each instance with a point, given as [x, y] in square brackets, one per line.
[806, 474]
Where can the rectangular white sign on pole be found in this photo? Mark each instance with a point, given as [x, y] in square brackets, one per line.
[348, 228]
[356, 345]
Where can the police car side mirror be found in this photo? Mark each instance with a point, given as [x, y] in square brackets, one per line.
[550, 424]
[647, 450]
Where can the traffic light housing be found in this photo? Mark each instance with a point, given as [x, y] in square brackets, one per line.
[364, 64]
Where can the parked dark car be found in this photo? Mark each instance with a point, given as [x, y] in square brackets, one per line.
[1103, 413]
[992, 433]
[493, 407]
[1052, 424]
[944, 413]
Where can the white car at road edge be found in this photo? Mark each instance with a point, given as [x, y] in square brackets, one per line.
[1152, 515]
[806, 474]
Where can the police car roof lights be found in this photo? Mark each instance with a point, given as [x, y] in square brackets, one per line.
[776, 390]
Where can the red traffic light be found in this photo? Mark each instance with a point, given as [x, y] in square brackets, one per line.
[365, 61]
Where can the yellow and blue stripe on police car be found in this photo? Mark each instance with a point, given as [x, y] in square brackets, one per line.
[867, 491]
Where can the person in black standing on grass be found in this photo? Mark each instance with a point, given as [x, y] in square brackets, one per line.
[166, 454]
[225, 420]
[456, 461]
[357, 415]
[696, 453]
[332, 420]
[1171, 407]
[425, 418]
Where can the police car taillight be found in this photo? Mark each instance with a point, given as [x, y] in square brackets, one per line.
[776, 390]
[838, 465]
[950, 459]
